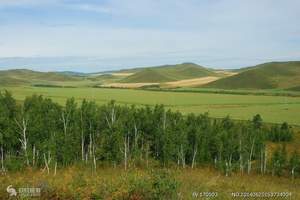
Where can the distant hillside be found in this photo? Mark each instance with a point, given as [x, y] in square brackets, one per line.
[6, 81]
[296, 88]
[167, 73]
[71, 73]
[272, 75]
[24, 76]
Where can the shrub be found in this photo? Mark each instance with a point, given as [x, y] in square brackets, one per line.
[156, 185]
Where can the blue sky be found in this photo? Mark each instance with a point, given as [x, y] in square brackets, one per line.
[96, 35]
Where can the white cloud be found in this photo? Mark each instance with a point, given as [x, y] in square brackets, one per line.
[219, 31]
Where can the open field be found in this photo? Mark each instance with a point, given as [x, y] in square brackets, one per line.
[275, 109]
[115, 183]
[266, 92]
[129, 85]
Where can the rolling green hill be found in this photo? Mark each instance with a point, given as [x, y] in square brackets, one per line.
[273, 75]
[167, 73]
[24, 76]
[296, 88]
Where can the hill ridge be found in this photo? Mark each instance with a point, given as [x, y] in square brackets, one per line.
[272, 75]
[165, 73]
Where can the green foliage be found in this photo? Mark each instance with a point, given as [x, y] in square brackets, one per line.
[257, 121]
[294, 164]
[158, 184]
[165, 187]
[278, 161]
[43, 134]
[281, 133]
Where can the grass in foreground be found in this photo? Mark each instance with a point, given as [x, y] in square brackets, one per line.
[115, 183]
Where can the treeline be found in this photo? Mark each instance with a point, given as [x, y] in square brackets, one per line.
[40, 133]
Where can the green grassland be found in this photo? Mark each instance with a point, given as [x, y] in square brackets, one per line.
[263, 92]
[270, 95]
[275, 109]
[168, 73]
[283, 75]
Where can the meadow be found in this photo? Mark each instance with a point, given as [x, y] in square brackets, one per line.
[273, 109]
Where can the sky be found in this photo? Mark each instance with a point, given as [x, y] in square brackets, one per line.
[97, 35]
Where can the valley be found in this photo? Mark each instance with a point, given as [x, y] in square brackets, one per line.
[265, 89]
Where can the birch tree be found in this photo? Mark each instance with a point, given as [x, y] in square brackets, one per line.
[22, 124]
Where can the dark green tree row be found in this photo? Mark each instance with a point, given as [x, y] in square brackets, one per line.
[41, 133]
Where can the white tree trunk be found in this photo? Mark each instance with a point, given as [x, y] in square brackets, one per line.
[261, 161]
[226, 170]
[147, 155]
[94, 158]
[111, 121]
[23, 139]
[82, 137]
[182, 156]
[125, 152]
[55, 168]
[178, 158]
[241, 158]
[47, 161]
[65, 120]
[113, 116]
[194, 157]
[164, 121]
[229, 164]
[135, 136]
[95, 163]
[216, 162]
[250, 157]
[82, 147]
[91, 146]
[265, 161]
[2, 159]
[33, 156]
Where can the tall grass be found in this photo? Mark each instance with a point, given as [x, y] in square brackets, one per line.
[80, 182]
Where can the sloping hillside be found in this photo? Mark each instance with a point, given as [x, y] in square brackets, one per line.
[168, 73]
[272, 75]
[296, 88]
[24, 76]
[147, 76]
